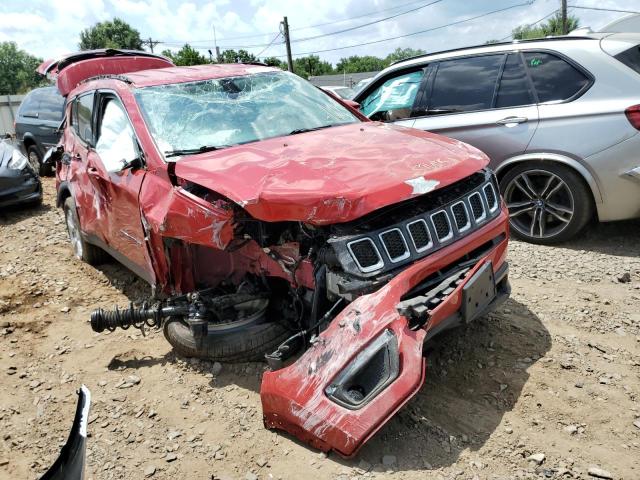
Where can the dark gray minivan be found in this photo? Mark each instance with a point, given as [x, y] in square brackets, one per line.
[37, 123]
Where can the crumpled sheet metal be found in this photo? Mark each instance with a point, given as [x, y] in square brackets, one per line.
[297, 178]
[294, 399]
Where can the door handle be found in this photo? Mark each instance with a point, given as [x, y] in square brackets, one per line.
[512, 120]
[77, 157]
[93, 171]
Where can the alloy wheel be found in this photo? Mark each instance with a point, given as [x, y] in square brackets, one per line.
[74, 234]
[540, 203]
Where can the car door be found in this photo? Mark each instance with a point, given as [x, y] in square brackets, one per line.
[90, 204]
[392, 98]
[116, 170]
[486, 101]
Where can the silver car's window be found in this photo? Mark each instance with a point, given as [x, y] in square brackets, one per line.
[465, 84]
[236, 110]
[116, 144]
[394, 98]
[514, 89]
[553, 78]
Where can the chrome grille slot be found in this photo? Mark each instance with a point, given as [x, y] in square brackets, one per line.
[461, 216]
[477, 207]
[420, 236]
[442, 226]
[376, 246]
[366, 254]
[490, 195]
[394, 245]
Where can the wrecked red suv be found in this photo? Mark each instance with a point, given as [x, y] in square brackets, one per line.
[271, 218]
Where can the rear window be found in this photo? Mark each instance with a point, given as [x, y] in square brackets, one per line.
[631, 58]
[554, 78]
[43, 103]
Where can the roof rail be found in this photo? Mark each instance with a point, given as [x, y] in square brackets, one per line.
[513, 42]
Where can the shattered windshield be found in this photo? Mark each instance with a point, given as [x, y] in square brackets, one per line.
[216, 113]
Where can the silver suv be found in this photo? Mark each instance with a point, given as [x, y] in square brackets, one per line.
[559, 118]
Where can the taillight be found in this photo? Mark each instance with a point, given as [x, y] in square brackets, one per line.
[633, 115]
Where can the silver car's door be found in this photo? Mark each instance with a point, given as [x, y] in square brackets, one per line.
[486, 101]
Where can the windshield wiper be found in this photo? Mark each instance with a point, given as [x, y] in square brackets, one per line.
[193, 151]
[305, 130]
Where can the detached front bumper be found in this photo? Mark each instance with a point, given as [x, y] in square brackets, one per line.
[369, 362]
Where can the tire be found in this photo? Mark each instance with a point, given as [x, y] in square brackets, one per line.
[244, 344]
[548, 203]
[35, 159]
[81, 249]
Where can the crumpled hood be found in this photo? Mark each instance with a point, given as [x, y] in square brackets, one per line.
[332, 175]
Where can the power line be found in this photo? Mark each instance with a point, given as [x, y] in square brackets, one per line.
[306, 27]
[424, 5]
[604, 9]
[365, 24]
[532, 24]
[418, 32]
[271, 43]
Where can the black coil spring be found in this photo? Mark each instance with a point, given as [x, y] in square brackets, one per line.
[102, 320]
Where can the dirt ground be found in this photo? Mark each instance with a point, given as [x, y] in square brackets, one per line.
[548, 386]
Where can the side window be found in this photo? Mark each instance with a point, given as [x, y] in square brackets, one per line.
[514, 86]
[116, 143]
[83, 116]
[393, 99]
[465, 84]
[51, 105]
[553, 78]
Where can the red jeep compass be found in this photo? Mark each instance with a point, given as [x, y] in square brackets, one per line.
[271, 218]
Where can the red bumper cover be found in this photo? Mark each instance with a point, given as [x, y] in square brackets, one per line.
[294, 398]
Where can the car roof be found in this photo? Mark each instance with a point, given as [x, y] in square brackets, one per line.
[497, 47]
[164, 76]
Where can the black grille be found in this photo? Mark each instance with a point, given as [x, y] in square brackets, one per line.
[394, 243]
[441, 224]
[420, 234]
[476, 206]
[492, 201]
[460, 215]
[365, 253]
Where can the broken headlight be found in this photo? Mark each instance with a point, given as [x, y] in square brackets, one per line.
[18, 161]
[367, 374]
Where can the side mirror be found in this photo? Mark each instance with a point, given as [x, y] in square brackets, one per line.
[352, 104]
[134, 164]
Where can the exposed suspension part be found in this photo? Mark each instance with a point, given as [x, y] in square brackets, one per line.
[196, 309]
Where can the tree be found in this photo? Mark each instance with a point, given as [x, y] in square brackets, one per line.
[552, 27]
[275, 62]
[310, 66]
[18, 70]
[355, 64]
[241, 56]
[110, 34]
[402, 53]
[186, 56]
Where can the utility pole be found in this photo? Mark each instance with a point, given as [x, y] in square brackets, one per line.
[287, 41]
[151, 43]
[565, 27]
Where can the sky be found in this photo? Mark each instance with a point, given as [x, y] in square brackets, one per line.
[51, 28]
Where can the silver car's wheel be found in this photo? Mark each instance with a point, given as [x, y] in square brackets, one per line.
[548, 202]
[540, 203]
